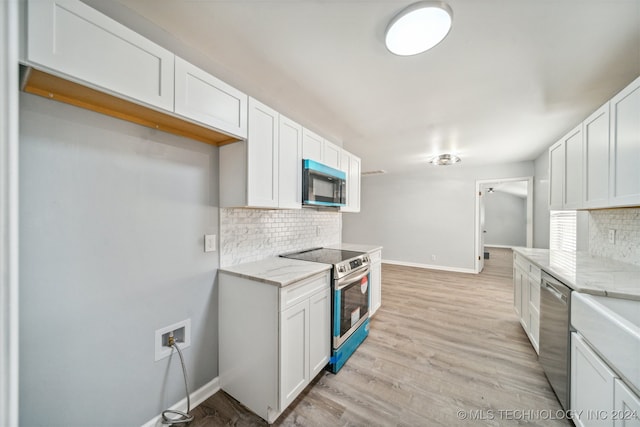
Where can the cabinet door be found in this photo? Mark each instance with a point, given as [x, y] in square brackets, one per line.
[294, 352]
[351, 166]
[518, 275]
[376, 287]
[596, 159]
[556, 175]
[290, 165]
[625, 147]
[312, 146]
[524, 301]
[331, 155]
[262, 156]
[626, 406]
[354, 183]
[319, 331]
[534, 311]
[591, 385]
[201, 97]
[69, 37]
[573, 170]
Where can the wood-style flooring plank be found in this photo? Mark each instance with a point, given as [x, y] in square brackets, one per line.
[442, 344]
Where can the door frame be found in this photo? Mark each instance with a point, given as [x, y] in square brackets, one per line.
[9, 121]
[479, 252]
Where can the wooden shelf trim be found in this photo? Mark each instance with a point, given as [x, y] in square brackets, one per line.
[49, 86]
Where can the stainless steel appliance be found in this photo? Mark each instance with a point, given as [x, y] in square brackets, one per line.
[322, 185]
[350, 302]
[555, 300]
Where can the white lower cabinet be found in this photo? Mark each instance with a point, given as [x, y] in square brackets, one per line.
[626, 406]
[375, 281]
[598, 396]
[273, 340]
[526, 297]
[591, 386]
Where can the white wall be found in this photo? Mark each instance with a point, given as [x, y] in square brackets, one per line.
[417, 214]
[112, 218]
[505, 219]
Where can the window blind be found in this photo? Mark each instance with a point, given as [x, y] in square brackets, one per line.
[562, 229]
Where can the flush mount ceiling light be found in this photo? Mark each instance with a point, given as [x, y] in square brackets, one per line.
[418, 28]
[445, 160]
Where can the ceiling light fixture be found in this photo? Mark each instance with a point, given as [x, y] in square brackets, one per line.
[445, 160]
[418, 28]
[491, 190]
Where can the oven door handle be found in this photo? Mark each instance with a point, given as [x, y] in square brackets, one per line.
[347, 280]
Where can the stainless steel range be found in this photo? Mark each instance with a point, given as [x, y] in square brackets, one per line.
[350, 305]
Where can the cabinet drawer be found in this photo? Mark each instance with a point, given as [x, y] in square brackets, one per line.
[302, 290]
[375, 256]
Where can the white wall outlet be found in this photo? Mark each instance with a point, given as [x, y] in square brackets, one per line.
[433, 257]
[209, 242]
[181, 333]
[612, 236]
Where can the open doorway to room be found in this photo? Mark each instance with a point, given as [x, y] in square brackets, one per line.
[504, 215]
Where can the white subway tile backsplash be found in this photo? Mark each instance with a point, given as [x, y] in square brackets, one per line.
[250, 234]
[626, 223]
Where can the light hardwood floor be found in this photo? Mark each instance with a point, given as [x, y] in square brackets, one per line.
[444, 349]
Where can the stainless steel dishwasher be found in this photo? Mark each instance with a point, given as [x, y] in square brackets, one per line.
[555, 300]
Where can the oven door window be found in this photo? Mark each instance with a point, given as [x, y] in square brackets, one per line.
[354, 304]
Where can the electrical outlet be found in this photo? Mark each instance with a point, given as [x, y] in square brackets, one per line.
[209, 242]
[433, 257]
[181, 334]
[612, 236]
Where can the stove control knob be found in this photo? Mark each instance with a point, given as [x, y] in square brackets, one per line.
[341, 269]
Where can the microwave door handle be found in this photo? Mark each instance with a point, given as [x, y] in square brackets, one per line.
[347, 280]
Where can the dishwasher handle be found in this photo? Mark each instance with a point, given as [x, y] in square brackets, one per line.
[555, 292]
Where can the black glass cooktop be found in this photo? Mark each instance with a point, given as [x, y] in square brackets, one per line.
[323, 255]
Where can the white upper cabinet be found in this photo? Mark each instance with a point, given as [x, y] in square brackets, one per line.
[290, 165]
[262, 156]
[331, 154]
[573, 169]
[556, 175]
[69, 37]
[599, 159]
[596, 159]
[624, 183]
[265, 171]
[249, 169]
[312, 146]
[565, 171]
[351, 165]
[201, 97]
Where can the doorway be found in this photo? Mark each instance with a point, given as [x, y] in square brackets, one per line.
[505, 219]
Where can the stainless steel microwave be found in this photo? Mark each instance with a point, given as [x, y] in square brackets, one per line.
[323, 185]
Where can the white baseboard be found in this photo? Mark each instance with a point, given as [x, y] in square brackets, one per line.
[499, 246]
[429, 266]
[197, 397]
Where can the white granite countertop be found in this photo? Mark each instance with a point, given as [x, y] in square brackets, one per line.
[586, 273]
[276, 271]
[355, 247]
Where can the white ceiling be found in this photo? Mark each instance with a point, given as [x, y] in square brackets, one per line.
[510, 78]
[515, 188]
